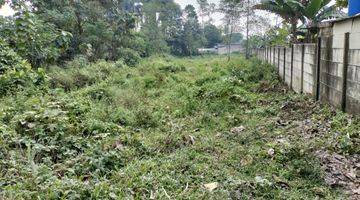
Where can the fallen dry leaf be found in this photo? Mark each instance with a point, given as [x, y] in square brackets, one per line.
[271, 152]
[246, 160]
[211, 186]
[152, 195]
[189, 139]
[357, 191]
[237, 130]
[341, 171]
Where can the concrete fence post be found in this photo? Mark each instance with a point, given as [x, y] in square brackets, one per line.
[292, 66]
[284, 66]
[273, 62]
[269, 55]
[302, 67]
[318, 65]
[345, 70]
[278, 64]
[266, 53]
[263, 54]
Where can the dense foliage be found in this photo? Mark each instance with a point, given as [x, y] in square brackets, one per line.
[51, 32]
[309, 12]
[15, 72]
[34, 40]
[213, 36]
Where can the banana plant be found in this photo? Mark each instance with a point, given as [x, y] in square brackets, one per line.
[293, 11]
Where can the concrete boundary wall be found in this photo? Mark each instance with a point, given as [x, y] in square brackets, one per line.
[328, 70]
[297, 68]
[282, 63]
[276, 57]
[287, 70]
[309, 69]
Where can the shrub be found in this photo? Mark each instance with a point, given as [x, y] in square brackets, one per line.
[98, 94]
[80, 74]
[79, 61]
[119, 64]
[129, 56]
[33, 39]
[172, 68]
[8, 57]
[16, 73]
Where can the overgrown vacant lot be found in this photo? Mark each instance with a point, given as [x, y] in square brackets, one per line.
[170, 128]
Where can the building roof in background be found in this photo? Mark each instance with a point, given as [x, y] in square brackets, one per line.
[331, 22]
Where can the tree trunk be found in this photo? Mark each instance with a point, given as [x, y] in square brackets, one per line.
[293, 30]
[229, 39]
[229, 44]
[247, 30]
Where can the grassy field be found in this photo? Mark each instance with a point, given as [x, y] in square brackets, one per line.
[171, 128]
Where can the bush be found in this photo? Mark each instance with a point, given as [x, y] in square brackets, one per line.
[129, 56]
[79, 61]
[119, 64]
[16, 73]
[78, 74]
[38, 42]
[8, 57]
[172, 68]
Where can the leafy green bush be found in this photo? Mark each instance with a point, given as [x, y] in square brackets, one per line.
[172, 68]
[16, 73]
[8, 57]
[38, 42]
[129, 56]
[78, 74]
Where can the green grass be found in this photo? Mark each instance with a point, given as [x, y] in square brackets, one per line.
[162, 130]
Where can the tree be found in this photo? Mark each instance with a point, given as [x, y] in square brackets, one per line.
[292, 11]
[162, 26]
[342, 3]
[101, 27]
[212, 35]
[151, 29]
[32, 38]
[233, 13]
[191, 35]
[277, 36]
[237, 38]
[249, 20]
[205, 10]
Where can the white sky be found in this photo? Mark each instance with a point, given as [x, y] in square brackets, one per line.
[6, 10]
[216, 16]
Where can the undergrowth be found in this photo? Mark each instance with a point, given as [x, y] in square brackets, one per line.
[165, 129]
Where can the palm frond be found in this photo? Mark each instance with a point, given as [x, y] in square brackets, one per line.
[313, 8]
